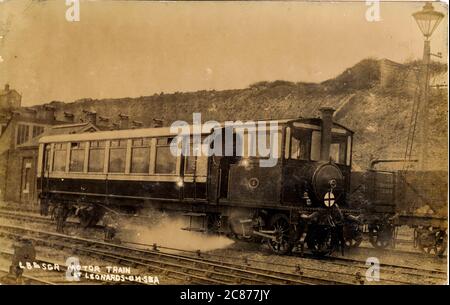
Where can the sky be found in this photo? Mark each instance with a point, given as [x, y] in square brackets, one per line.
[138, 48]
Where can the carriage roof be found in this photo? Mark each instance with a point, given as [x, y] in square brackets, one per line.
[162, 131]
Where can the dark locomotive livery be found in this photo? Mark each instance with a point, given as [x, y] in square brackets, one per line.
[300, 200]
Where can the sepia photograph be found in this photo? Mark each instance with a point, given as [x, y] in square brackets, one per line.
[195, 144]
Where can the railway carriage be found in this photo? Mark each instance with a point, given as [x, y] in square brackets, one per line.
[415, 199]
[301, 199]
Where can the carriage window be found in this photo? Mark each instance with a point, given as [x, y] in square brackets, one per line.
[270, 147]
[164, 141]
[166, 162]
[59, 162]
[77, 156]
[96, 156]
[117, 155]
[300, 144]
[140, 156]
[47, 158]
[338, 149]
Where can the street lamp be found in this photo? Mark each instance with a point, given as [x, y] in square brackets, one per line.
[427, 19]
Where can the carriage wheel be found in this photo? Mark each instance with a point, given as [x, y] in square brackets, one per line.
[381, 235]
[96, 216]
[320, 240]
[90, 218]
[432, 241]
[214, 223]
[352, 235]
[283, 243]
[441, 242]
[53, 212]
[85, 220]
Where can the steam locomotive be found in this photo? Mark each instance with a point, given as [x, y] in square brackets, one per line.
[300, 200]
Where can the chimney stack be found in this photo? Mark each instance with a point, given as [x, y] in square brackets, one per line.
[30, 113]
[327, 125]
[137, 124]
[49, 113]
[69, 117]
[6, 87]
[91, 117]
[123, 121]
[103, 119]
[157, 123]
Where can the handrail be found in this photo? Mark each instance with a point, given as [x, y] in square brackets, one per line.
[377, 161]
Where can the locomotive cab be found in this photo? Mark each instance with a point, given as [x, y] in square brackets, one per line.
[317, 162]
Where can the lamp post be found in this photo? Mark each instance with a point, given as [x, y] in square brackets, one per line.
[427, 19]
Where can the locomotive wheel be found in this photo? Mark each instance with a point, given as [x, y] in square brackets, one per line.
[283, 243]
[352, 235]
[381, 235]
[320, 240]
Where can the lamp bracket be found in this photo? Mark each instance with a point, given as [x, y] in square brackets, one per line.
[439, 54]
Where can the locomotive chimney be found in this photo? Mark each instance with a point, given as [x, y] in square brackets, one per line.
[327, 125]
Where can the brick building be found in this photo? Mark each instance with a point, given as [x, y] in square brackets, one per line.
[20, 131]
[10, 100]
[22, 128]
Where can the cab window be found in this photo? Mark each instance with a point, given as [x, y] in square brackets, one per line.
[338, 149]
[300, 144]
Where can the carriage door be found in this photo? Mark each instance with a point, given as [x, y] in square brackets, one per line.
[26, 189]
[194, 175]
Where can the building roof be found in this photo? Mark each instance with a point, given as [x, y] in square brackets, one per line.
[64, 129]
[4, 92]
[71, 128]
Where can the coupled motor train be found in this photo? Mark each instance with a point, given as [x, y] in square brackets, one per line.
[300, 200]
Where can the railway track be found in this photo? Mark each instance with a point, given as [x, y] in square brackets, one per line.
[26, 279]
[354, 269]
[56, 276]
[396, 251]
[34, 218]
[189, 269]
[214, 270]
[30, 216]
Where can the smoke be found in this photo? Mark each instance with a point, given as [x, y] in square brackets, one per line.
[167, 231]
